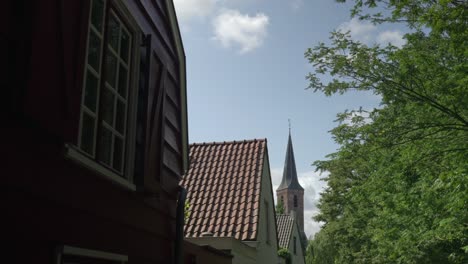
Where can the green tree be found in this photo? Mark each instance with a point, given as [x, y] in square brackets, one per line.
[321, 249]
[186, 210]
[279, 207]
[285, 254]
[398, 185]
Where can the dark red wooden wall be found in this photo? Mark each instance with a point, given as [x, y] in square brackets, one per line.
[48, 200]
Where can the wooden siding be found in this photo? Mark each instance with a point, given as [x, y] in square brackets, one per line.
[164, 91]
[50, 200]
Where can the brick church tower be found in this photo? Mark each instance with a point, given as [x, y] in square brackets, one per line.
[290, 193]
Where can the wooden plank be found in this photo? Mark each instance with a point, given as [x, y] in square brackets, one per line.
[172, 137]
[159, 24]
[172, 160]
[161, 6]
[173, 91]
[161, 54]
[172, 114]
[170, 182]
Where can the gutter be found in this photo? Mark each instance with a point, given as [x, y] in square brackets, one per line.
[180, 215]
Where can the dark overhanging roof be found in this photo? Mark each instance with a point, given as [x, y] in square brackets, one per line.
[290, 180]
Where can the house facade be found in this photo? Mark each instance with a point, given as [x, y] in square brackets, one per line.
[231, 200]
[96, 131]
[289, 237]
[195, 254]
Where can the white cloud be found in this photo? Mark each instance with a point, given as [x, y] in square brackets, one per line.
[394, 37]
[231, 28]
[313, 187]
[359, 30]
[310, 226]
[367, 33]
[276, 175]
[188, 9]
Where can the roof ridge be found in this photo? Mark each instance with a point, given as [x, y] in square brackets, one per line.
[229, 142]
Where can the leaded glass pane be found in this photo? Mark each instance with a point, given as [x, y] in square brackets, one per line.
[124, 46]
[87, 133]
[113, 28]
[97, 14]
[120, 117]
[94, 50]
[118, 153]
[107, 107]
[123, 81]
[111, 68]
[105, 145]
[90, 98]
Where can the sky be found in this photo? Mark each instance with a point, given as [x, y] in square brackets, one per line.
[246, 77]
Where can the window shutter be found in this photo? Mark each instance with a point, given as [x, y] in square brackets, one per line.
[155, 156]
[142, 110]
[148, 155]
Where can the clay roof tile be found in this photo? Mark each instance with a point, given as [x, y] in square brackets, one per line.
[223, 185]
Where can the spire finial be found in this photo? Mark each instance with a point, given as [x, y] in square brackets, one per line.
[289, 121]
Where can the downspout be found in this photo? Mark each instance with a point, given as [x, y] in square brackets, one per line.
[180, 215]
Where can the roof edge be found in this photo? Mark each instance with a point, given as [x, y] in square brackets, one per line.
[229, 142]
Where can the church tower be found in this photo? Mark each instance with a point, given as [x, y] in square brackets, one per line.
[290, 193]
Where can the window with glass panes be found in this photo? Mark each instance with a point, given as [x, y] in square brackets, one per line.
[105, 100]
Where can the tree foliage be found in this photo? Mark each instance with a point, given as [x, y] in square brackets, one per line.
[285, 254]
[398, 185]
[186, 210]
[279, 207]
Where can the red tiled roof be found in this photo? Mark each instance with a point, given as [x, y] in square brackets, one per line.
[223, 185]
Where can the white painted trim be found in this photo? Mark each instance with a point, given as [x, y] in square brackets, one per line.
[73, 153]
[133, 28]
[76, 251]
[90, 27]
[128, 24]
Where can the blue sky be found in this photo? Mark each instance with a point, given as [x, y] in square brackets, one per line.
[246, 76]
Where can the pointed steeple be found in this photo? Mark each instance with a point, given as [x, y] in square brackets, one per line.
[290, 180]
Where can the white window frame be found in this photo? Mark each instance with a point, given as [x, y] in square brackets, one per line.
[73, 152]
[82, 252]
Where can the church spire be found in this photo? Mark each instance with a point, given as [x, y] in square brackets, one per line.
[289, 180]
